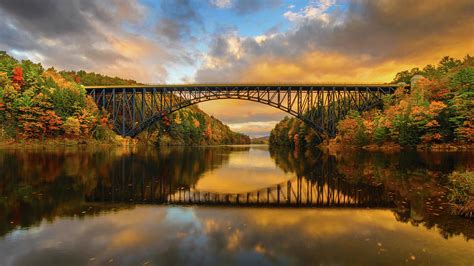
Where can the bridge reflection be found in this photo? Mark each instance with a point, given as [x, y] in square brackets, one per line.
[317, 183]
[298, 192]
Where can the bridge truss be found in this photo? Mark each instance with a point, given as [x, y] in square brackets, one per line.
[134, 108]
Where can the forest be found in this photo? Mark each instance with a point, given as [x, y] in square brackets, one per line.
[436, 110]
[38, 104]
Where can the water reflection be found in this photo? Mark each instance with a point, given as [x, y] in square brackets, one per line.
[246, 170]
[46, 184]
[222, 236]
[417, 183]
[43, 183]
[312, 181]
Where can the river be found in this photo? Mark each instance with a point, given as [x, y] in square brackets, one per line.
[228, 205]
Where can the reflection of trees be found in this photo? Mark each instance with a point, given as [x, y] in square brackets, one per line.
[321, 169]
[415, 181]
[313, 164]
[37, 184]
[299, 161]
[150, 175]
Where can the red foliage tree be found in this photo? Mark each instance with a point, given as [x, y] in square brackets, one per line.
[104, 121]
[51, 123]
[18, 76]
[166, 121]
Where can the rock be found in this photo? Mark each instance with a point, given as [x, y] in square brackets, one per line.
[415, 79]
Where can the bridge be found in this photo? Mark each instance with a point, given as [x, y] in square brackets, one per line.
[134, 108]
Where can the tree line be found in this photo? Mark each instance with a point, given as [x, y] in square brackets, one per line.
[437, 109]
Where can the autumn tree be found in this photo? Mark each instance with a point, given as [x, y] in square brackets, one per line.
[437, 109]
[18, 77]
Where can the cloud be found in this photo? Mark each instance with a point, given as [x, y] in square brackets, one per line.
[369, 35]
[161, 235]
[245, 7]
[311, 12]
[85, 34]
[251, 118]
[54, 18]
[389, 30]
[254, 129]
[178, 19]
[221, 3]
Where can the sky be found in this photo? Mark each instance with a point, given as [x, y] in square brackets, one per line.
[196, 41]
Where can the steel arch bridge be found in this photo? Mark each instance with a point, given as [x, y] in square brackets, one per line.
[321, 106]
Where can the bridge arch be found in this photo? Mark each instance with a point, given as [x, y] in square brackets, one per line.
[135, 108]
[158, 116]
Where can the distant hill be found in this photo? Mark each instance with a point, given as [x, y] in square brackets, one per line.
[260, 140]
[90, 78]
[191, 126]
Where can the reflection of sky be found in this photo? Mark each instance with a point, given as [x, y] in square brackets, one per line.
[245, 171]
[222, 236]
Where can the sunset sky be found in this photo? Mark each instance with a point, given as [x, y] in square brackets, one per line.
[186, 41]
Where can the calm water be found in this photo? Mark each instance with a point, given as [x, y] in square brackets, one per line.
[229, 205]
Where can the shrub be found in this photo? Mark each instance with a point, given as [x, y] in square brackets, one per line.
[361, 137]
[67, 102]
[461, 193]
[380, 135]
[104, 133]
[461, 187]
[72, 127]
[463, 79]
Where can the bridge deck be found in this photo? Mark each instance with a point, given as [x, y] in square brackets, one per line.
[236, 86]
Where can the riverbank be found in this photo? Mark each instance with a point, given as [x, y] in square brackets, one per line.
[116, 141]
[64, 142]
[334, 146]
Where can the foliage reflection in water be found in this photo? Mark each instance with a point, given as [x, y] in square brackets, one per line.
[79, 206]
